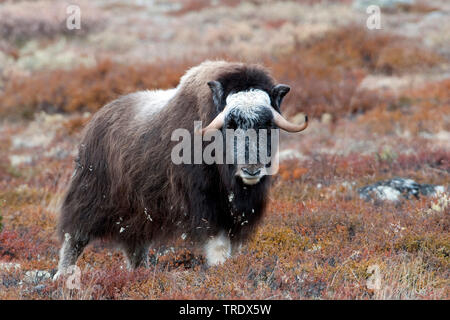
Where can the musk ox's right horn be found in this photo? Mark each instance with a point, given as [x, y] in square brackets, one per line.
[282, 123]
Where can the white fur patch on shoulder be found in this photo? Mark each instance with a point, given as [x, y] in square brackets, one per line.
[247, 101]
[217, 250]
[150, 102]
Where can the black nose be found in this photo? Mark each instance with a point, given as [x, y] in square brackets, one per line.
[252, 172]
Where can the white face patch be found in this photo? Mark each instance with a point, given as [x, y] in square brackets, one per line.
[217, 250]
[247, 102]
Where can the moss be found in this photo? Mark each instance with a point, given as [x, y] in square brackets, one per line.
[23, 195]
[436, 245]
[279, 242]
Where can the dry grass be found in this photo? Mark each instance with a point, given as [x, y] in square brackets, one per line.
[85, 88]
[316, 89]
[421, 110]
[356, 47]
[27, 20]
[318, 239]
[195, 6]
[325, 73]
[415, 7]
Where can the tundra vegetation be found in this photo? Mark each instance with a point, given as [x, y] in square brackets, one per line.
[378, 103]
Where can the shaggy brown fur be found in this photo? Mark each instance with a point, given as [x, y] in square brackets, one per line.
[126, 189]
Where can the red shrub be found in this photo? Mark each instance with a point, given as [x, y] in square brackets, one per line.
[84, 89]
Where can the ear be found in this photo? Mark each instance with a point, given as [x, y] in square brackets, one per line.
[278, 92]
[217, 94]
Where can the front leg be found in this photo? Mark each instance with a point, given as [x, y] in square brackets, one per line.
[137, 255]
[236, 248]
[217, 249]
[71, 249]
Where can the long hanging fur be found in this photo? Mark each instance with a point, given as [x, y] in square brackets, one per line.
[125, 187]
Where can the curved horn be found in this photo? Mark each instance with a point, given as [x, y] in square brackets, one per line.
[217, 123]
[282, 123]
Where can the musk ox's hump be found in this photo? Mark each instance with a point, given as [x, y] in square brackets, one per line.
[234, 76]
[148, 103]
[204, 71]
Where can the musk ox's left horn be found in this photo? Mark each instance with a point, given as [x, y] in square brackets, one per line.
[282, 123]
[217, 124]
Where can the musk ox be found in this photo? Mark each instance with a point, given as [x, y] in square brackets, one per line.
[125, 189]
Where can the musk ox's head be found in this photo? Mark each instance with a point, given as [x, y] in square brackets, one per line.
[249, 113]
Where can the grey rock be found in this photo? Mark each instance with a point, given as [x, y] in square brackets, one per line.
[397, 189]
